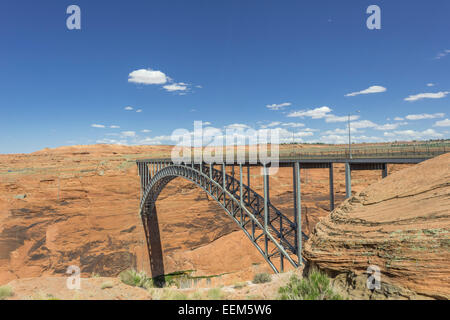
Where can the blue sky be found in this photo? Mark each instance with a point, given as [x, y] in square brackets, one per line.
[296, 66]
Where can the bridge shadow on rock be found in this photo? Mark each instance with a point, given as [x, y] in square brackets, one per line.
[154, 247]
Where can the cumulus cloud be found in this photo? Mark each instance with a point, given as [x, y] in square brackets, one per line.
[430, 84]
[114, 127]
[146, 131]
[139, 110]
[175, 87]
[390, 126]
[278, 106]
[399, 119]
[331, 118]
[97, 125]
[429, 95]
[112, 141]
[237, 126]
[128, 133]
[293, 124]
[363, 124]
[271, 125]
[156, 77]
[317, 113]
[443, 123]
[372, 89]
[424, 116]
[128, 108]
[147, 76]
[417, 135]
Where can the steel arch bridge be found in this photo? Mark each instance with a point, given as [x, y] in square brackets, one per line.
[275, 235]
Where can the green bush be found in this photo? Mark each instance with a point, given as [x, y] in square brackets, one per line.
[5, 292]
[215, 294]
[315, 287]
[107, 285]
[262, 278]
[137, 279]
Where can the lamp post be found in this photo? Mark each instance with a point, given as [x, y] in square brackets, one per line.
[350, 137]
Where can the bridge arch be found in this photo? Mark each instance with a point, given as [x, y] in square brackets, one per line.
[274, 238]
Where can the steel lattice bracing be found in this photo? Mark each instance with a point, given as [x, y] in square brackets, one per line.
[276, 236]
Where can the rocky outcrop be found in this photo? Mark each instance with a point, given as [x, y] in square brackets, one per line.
[400, 224]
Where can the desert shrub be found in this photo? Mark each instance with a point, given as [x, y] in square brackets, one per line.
[196, 296]
[215, 294]
[5, 292]
[315, 287]
[137, 279]
[262, 278]
[240, 285]
[107, 285]
[167, 294]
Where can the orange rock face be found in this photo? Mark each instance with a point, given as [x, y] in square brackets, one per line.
[79, 206]
[400, 224]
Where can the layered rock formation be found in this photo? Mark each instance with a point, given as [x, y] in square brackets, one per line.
[400, 224]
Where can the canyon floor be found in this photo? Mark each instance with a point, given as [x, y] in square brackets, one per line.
[79, 206]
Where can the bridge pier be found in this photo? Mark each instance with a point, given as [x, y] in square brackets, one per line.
[348, 181]
[224, 183]
[384, 171]
[298, 211]
[266, 208]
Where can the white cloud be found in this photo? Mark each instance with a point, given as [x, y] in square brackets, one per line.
[443, 123]
[175, 87]
[271, 125]
[424, 116]
[293, 124]
[390, 126]
[333, 139]
[147, 76]
[112, 141]
[442, 54]
[339, 131]
[430, 84]
[416, 135]
[237, 126]
[399, 119]
[372, 89]
[128, 108]
[278, 106]
[97, 126]
[362, 124]
[146, 131]
[317, 113]
[154, 140]
[139, 110]
[331, 118]
[429, 95]
[114, 127]
[206, 123]
[128, 133]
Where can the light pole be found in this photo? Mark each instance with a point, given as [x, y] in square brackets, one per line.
[350, 136]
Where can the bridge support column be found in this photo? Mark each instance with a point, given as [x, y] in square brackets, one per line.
[331, 188]
[241, 189]
[211, 167]
[348, 181]
[266, 207]
[248, 184]
[384, 171]
[224, 182]
[298, 211]
[140, 175]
